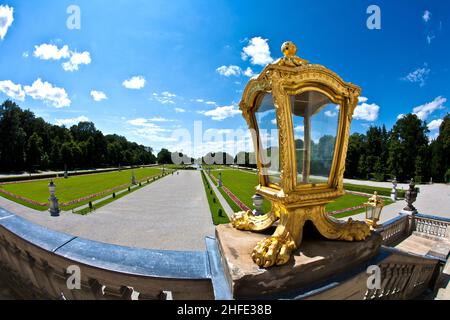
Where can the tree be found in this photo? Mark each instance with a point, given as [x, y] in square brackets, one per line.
[440, 152]
[408, 137]
[67, 154]
[34, 151]
[12, 137]
[356, 148]
[27, 142]
[164, 157]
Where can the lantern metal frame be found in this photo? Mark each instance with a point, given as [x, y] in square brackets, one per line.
[293, 204]
[376, 205]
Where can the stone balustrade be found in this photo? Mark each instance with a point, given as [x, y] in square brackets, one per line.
[394, 230]
[432, 225]
[34, 262]
[403, 276]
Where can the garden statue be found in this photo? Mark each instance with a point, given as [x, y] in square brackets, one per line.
[410, 197]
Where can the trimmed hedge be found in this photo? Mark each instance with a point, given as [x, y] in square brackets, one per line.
[370, 190]
[61, 174]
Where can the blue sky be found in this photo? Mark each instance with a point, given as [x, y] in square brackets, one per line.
[188, 61]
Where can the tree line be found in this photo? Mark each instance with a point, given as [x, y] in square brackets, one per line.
[29, 143]
[405, 152]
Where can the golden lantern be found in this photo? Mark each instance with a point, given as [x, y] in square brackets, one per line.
[300, 116]
[373, 210]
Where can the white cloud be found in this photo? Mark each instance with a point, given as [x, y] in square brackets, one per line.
[400, 116]
[249, 73]
[299, 129]
[98, 95]
[135, 83]
[179, 110]
[51, 52]
[142, 122]
[149, 130]
[365, 111]
[330, 113]
[165, 97]
[137, 122]
[6, 19]
[160, 119]
[48, 93]
[435, 124]
[72, 121]
[77, 59]
[426, 16]
[430, 38]
[228, 71]
[419, 75]
[362, 100]
[209, 103]
[221, 113]
[258, 51]
[12, 90]
[423, 111]
[47, 51]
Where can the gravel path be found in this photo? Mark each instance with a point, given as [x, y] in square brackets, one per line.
[169, 214]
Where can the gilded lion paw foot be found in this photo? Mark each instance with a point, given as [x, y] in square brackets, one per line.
[245, 220]
[242, 220]
[356, 230]
[273, 251]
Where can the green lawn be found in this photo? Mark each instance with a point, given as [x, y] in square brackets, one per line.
[243, 183]
[77, 187]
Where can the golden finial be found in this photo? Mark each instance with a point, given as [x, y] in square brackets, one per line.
[289, 50]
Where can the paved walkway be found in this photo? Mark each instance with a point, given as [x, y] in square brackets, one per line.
[433, 199]
[169, 214]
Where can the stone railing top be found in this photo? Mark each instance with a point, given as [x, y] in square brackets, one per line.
[143, 262]
[393, 221]
[431, 217]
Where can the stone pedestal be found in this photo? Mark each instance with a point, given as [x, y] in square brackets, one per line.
[54, 206]
[317, 260]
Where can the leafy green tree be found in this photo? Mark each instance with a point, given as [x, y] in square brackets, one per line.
[408, 136]
[67, 154]
[164, 157]
[440, 152]
[356, 148]
[12, 138]
[34, 151]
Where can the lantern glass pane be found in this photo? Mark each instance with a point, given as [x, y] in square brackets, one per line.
[315, 119]
[369, 212]
[268, 148]
[377, 212]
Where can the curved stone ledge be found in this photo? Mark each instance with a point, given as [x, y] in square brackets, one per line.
[34, 261]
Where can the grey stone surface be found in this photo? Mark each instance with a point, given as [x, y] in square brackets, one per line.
[433, 199]
[170, 214]
[315, 261]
